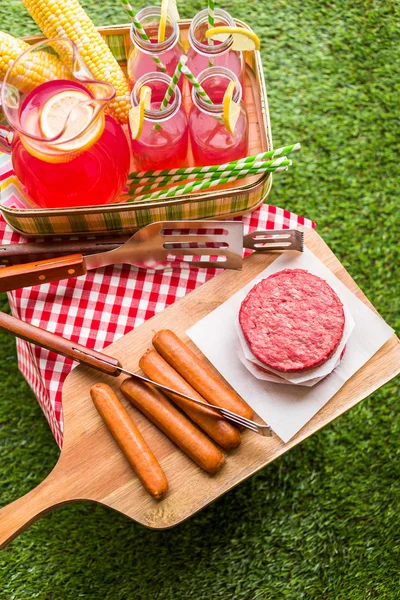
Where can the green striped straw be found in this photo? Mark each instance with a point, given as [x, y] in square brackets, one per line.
[175, 80]
[180, 190]
[194, 187]
[211, 23]
[192, 79]
[129, 9]
[145, 176]
[256, 167]
[223, 175]
[172, 87]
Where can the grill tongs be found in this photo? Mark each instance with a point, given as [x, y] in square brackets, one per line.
[111, 366]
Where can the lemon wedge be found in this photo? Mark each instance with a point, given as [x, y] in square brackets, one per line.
[231, 110]
[136, 114]
[173, 10]
[66, 110]
[163, 20]
[243, 39]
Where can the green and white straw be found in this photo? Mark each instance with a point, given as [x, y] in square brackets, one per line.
[145, 176]
[175, 80]
[192, 79]
[140, 29]
[211, 19]
[235, 174]
[211, 23]
[196, 186]
[252, 168]
[172, 87]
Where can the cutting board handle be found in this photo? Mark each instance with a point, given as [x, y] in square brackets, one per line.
[20, 514]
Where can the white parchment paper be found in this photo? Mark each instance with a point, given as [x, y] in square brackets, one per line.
[287, 408]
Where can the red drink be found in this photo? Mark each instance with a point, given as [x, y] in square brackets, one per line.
[202, 55]
[56, 175]
[163, 142]
[141, 59]
[212, 144]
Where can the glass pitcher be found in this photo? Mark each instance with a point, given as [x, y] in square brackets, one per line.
[65, 150]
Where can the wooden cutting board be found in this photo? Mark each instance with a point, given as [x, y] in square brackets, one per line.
[91, 467]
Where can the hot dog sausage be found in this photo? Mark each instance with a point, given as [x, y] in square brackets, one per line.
[130, 440]
[198, 375]
[174, 424]
[156, 368]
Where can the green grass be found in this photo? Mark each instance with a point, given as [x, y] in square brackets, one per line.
[323, 521]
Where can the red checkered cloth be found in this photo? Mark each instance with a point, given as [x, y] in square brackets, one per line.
[101, 306]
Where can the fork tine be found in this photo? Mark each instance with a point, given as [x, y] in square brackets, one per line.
[244, 422]
[200, 252]
[229, 263]
[274, 240]
[196, 239]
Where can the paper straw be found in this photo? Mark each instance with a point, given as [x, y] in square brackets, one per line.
[198, 186]
[144, 176]
[172, 87]
[194, 187]
[211, 10]
[129, 9]
[257, 167]
[211, 23]
[223, 175]
[175, 80]
[192, 79]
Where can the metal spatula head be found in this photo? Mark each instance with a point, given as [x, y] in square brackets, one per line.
[168, 244]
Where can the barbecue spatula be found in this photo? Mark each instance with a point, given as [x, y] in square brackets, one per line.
[162, 245]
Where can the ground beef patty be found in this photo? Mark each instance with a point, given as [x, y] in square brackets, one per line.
[292, 321]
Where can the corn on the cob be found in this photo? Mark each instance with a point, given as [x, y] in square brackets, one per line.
[66, 18]
[39, 67]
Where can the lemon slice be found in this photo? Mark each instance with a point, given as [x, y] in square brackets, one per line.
[136, 114]
[163, 21]
[66, 110]
[243, 39]
[231, 110]
[173, 10]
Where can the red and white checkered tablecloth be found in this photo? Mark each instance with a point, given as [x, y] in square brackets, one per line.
[100, 307]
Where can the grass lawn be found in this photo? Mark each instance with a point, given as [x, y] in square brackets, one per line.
[323, 521]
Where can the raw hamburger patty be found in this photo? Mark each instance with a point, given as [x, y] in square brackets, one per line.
[292, 321]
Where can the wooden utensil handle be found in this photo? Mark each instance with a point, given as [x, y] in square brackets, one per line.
[16, 254]
[44, 271]
[51, 341]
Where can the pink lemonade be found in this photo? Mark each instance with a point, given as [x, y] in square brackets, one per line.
[202, 55]
[212, 144]
[163, 143]
[93, 176]
[141, 59]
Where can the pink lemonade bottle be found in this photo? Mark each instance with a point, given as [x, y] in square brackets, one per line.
[212, 144]
[141, 59]
[65, 150]
[202, 55]
[163, 143]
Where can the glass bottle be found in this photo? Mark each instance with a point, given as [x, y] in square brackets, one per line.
[202, 55]
[163, 142]
[212, 144]
[141, 59]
